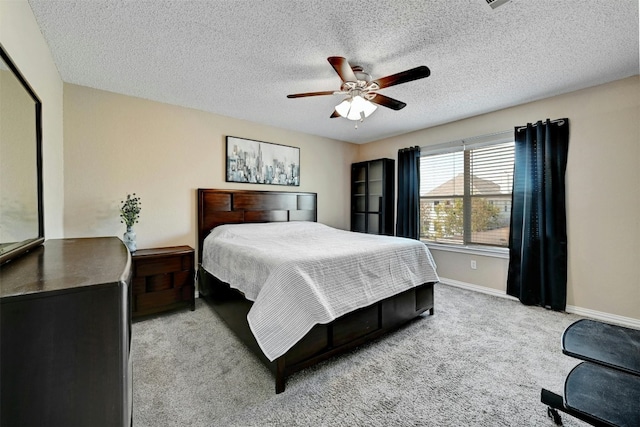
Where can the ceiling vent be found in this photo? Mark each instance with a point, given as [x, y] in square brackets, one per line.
[496, 3]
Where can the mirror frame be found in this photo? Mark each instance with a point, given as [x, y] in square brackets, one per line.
[31, 243]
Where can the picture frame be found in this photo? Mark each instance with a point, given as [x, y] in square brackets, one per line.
[259, 162]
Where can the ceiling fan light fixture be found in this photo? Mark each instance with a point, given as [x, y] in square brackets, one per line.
[354, 108]
[343, 107]
[361, 89]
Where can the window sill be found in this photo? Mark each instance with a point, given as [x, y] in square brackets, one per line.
[493, 252]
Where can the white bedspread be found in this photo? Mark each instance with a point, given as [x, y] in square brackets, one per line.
[300, 274]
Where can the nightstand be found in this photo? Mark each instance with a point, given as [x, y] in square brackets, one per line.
[163, 279]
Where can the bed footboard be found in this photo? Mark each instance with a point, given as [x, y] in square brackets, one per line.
[322, 341]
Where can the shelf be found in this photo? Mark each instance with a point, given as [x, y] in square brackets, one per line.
[374, 214]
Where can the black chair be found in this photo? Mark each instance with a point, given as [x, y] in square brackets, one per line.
[604, 390]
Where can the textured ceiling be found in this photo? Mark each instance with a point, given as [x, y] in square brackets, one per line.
[241, 58]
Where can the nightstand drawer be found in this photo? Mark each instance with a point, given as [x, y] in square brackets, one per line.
[139, 285]
[153, 300]
[159, 282]
[153, 266]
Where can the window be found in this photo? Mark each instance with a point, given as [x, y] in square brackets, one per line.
[465, 191]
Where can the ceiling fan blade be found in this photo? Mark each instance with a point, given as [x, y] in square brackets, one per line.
[342, 67]
[403, 77]
[302, 95]
[334, 115]
[385, 101]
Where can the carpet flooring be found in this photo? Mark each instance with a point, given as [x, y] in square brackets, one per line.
[480, 360]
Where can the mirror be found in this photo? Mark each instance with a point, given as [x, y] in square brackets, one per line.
[21, 209]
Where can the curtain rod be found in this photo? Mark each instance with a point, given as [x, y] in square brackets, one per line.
[560, 121]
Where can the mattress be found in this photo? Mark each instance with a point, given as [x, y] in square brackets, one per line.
[299, 274]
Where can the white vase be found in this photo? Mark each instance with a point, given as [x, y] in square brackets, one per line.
[129, 239]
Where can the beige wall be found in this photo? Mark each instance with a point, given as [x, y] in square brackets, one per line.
[603, 192]
[21, 38]
[116, 144]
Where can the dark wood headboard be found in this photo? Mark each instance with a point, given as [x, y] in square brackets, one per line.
[217, 207]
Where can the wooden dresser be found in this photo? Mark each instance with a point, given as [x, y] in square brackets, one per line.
[163, 279]
[65, 329]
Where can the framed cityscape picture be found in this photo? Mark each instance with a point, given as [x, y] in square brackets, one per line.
[258, 162]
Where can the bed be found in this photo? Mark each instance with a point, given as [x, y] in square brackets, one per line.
[335, 329]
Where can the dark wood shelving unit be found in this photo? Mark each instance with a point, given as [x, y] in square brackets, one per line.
[372, 196]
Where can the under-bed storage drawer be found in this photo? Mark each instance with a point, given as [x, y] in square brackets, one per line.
[385, 314]
[407, 305]
[355, 325]
[424, 297]
[345, 329]
[316, 341]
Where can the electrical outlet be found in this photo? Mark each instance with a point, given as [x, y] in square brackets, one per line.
[473, 264]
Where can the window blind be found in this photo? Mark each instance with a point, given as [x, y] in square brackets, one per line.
[465, 190]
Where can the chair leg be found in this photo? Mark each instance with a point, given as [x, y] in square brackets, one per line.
[553, 413]
[554, 403]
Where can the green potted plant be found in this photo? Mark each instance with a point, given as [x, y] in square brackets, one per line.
[129, 214]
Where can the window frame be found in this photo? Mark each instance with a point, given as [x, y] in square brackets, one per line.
[466, 146]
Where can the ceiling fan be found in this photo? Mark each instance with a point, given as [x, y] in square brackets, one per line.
[361, 89]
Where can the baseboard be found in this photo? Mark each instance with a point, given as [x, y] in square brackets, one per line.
[476, 288]
[585, 312]
[605, 317]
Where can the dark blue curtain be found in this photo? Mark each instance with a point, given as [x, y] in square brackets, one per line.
[408, 212]
[538, 238]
